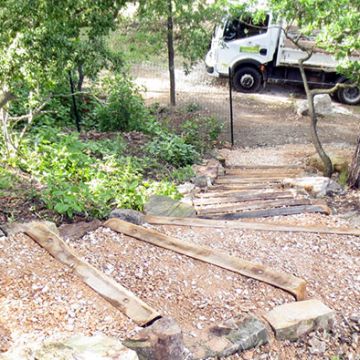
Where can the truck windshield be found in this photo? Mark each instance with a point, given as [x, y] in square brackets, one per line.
[246, 27]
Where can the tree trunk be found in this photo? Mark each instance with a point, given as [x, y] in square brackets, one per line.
[74, 104]
[328, 166]
[354, 176]
[171, 52]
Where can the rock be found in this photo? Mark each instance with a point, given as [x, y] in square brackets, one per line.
[14, 228]
[132, 216]
[323, 106]
[165, 206]
[99, 347]
[211, 170]
[201, 181]
[78, 230]
[186, 188]
[162, 340]
[234, 336]
[318, 186]
[292, 320]
[317, 347]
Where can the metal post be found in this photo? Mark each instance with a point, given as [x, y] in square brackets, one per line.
[75, 108]
[231, 108]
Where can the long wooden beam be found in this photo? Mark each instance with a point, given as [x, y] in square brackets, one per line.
[288, 282]
[107, 287]
[256, 226]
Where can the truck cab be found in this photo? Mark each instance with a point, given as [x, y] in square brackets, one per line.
[256, 53]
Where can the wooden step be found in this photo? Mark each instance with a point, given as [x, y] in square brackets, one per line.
[255, 205]
[244, 197]
[250, 181]
[292, 210]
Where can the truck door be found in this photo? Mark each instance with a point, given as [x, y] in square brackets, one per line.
[243, 40]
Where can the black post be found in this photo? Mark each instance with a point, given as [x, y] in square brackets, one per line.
[231, 108]
[76, 112]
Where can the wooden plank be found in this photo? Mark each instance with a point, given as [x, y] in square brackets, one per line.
[266, 204]
[234, 193]
[292, 210]
[256, 226]
[262, 173]
[243, 197]
[282, 280]
[264, 167]
[233, 187]
[107, 287]
[238, 180]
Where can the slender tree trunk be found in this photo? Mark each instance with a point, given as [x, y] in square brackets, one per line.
[171, 52]
[81, 77]
[328, 166]
[354, 176]
[74, 104]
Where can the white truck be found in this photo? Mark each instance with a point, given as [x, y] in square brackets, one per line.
[262, 53]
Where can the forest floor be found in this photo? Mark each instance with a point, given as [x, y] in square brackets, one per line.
[41, 298]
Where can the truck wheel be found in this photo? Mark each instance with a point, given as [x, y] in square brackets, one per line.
[350, 96]
[247, 80]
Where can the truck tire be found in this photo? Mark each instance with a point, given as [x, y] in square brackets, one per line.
[247, 80]
[349, 96]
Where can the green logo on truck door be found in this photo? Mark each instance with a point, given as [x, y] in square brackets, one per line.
[250, 49]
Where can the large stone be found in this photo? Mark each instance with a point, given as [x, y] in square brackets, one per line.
[211, 169]
[317, 186]
[133, 216]
[234, 336]
[99, 347]
[165, 206]
[290, 321]
[78, 230]
[163, 340]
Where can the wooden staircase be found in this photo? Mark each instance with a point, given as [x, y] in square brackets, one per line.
[252, 192]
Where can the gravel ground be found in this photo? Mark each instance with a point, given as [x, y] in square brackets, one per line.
[48, 299]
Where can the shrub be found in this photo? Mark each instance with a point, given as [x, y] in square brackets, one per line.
[124, 108]
[173, 150]
[201, 132]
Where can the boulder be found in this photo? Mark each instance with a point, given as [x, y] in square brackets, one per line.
[132, 216]
[164, 206]
[210, 170]
[318, 186]
[232, 337]
[78, 230]
[162, 340]
[99, 347]
[186, 188]
[292, 320]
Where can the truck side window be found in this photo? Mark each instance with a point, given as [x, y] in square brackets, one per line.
[239, 29]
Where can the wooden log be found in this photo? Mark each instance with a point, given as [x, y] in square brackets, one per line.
[257, 205]
[107, 287]
[263, 173]
[229, 224]
[265, 167]
[245, 187]
[236, 198]
[246, 192]
[292, 210]
[282, 280]
[241, 180]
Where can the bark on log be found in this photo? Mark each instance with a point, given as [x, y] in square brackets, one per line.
[207, 223]
[282, 280]
[107, 287]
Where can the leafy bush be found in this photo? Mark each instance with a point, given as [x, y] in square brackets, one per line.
[124, 108]
[182, 175]
[173, 150]
[77, 182]
[201, 132]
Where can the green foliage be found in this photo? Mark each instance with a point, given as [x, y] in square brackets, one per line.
[81, 178]
[182, 175]
[124, 108]
[201, 132]
[7, 180]
[173, 150]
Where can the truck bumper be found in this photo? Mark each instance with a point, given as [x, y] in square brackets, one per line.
[210, 64]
